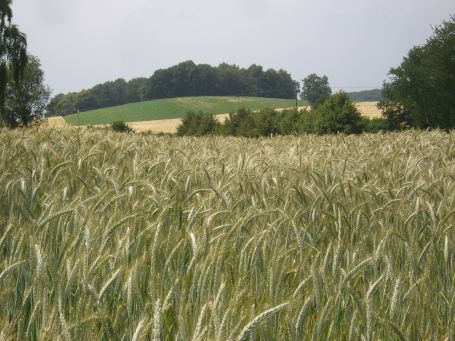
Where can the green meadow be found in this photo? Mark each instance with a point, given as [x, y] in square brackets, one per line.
[174, 108]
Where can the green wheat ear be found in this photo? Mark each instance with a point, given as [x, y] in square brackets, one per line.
[261, 317]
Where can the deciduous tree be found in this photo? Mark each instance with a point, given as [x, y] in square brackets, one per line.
[316, 89]
[13, 49]
[421, 90]
[26, 98]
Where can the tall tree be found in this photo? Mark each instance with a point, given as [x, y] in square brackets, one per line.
[26, 98]
[315, 88]
[13, 50]
[421, 90]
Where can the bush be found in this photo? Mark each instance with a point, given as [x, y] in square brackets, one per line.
[337, 115]
[242, 123]
[198, 124]
[374, 125]
[306, 123]
[121, 127]
[249, 123]
[396, 115]
[288, 121]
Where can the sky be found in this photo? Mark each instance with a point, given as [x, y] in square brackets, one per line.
[354, 42]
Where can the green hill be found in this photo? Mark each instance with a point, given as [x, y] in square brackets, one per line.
[366, 95]
[174, 108]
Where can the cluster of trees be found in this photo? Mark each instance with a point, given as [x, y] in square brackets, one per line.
[184, 79]
[337, 114]
[104, 95]
[421, 91]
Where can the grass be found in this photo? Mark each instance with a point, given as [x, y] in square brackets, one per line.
[124, 236]
[174, 108]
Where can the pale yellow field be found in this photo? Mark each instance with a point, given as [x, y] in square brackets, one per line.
[368, 109]
[56, 121]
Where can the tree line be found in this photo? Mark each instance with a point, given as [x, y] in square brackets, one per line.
[336, 114]
[182, 80]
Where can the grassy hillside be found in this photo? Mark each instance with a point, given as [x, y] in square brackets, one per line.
[174, 108]
[108, 236]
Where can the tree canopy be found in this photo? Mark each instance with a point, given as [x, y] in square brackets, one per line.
[337, 115]
[182, 80]
[316, 89]
[421, 91]
[26, 98]
[13, 50]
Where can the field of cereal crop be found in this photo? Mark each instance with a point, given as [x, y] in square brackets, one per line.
[111, 236]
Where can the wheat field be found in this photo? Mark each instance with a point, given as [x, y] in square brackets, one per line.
[106, 236]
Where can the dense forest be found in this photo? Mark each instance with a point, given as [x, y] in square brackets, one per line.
[184, 79]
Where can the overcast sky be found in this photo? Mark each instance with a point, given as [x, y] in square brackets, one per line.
[353, 42]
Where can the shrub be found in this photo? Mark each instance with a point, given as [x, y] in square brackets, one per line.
[306, 122]
[337, 115]
[242, 123]
[121, 127]
[198, 124]
[288, 121]
[374, 125]
[249, 123]
[396, 115]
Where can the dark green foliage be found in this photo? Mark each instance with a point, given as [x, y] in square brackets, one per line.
[121, 127]
[198, 124]
[288, 121]
[366, 95]
[397, 116]
[27, 97]
[241, 123]
[424, 83]
[374, 125]
[337, 115]
[265, 122]
[13, 51]
[316, 89]
[250, 123]
[182, 80]
[307, 121]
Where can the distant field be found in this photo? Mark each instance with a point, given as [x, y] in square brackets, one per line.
[369, 109]
[174, 108]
